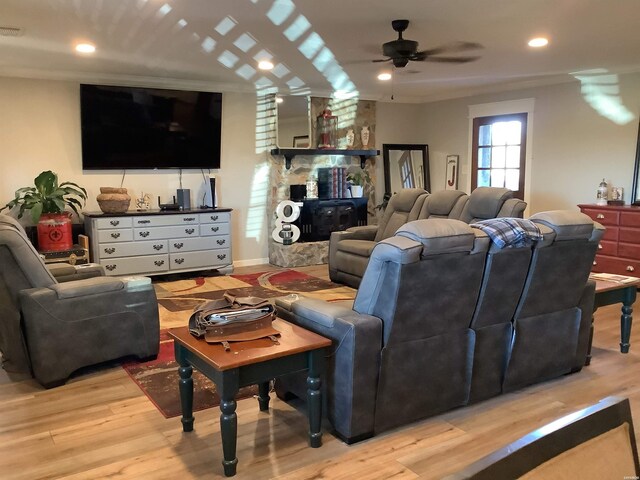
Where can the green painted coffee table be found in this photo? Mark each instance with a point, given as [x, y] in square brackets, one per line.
[249, 363]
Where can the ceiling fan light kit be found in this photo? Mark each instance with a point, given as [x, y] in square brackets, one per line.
[402, 51]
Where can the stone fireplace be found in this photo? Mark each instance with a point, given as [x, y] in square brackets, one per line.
[333, 214]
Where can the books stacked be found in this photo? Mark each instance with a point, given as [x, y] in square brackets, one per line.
[332, 183]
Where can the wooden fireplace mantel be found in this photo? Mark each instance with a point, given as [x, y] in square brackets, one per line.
[289, 153]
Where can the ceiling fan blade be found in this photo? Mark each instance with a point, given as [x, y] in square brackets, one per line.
[449, 59]
[451, 47]
[382, 60]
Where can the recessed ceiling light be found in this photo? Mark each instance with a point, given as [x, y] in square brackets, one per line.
[265, 65]
[279, 99]
[85, 48]
[538, 42]
[384, 76]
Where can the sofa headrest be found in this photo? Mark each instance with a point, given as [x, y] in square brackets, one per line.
[10, 221]
[439, 235]
[567, 224]
[405, 199]
[485, 202]
[441, 202]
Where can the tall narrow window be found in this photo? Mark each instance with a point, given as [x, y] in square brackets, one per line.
[499, 147]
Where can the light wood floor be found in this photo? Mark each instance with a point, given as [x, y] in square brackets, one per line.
[100, 425]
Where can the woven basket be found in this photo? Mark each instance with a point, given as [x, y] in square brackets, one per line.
[113, 200]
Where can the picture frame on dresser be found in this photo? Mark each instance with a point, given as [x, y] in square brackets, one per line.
[635, 188]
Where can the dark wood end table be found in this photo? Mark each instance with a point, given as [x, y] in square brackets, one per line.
[249, 363]
[612, 289]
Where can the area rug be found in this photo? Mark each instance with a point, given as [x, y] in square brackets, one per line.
[158, 378]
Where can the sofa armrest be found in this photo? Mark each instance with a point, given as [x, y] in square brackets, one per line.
[65, 272]
[366, 232]
[353, 363]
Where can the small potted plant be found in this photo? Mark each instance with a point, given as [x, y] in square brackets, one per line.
[47, 201]
[357, 181]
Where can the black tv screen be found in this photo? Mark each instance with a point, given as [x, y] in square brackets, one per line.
[131, 127]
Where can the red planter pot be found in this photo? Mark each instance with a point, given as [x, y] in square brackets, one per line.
[54, 232]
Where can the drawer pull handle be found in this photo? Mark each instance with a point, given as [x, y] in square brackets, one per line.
[214, 217]
[115, 235]
[158, 247]
[109, 250]
[179, 261]
[178, 245]
[220, 242]
[111, 268]
[188, 219]
[599, 247]
[595, 263]
[142, 222]
[222, 256]
[143, 234]
[159, 263]
[215, 229]
[189, 231]
[115, 223]
[630, 268]
[600, 216]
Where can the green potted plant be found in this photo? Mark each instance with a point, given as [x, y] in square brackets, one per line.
[47, 201]
[357, 180]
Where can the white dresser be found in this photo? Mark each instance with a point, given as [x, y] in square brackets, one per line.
[160, 242]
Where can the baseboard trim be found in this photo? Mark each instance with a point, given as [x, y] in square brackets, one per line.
[250, 262]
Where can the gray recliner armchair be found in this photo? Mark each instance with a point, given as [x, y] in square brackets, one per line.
[51, 329]
[349, 250]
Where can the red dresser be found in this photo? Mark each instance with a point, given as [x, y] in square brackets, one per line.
[619, 250]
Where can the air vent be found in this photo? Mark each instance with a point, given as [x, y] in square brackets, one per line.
[10, 31]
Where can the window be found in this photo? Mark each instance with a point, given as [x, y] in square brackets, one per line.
[406, 171]
[499, 152]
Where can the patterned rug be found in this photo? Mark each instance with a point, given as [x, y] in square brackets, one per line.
[158, 378]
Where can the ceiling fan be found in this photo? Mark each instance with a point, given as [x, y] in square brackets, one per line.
[402, 51]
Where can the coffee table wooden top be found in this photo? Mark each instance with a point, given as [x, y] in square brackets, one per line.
[606, 282]
[292, 339]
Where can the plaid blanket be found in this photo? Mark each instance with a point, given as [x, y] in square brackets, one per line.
[510, 232]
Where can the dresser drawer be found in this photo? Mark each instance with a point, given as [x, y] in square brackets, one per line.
[165, 220]
[215, 217]
[629, 235]
[630, 219]
[605, 217]
[618, 266]
[608, 248]
[128, 265]
[113, 222]
[160, 233]
[214, 229]
[629, 250]
[177, 245]
[611, 234]
[132, 249]
[116, 235]
[211, 258]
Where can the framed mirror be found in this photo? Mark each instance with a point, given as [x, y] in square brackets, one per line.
[635, 187]
[293, 121]
[405, 166]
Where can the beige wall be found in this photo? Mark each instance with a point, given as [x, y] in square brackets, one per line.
[41, 131]
[573, 147]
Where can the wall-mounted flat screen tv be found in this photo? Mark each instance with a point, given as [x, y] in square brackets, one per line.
[132, 127]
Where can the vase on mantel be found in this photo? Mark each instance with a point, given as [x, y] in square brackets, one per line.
[113, 200]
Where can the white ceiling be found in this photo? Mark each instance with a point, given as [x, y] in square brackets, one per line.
[180, 43]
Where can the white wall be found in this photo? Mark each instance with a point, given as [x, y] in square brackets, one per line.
[41, 131]
[573, 148]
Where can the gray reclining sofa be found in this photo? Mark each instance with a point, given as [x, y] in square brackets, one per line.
[349, 250]
[443, 317]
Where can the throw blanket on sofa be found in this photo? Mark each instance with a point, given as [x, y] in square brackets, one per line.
[510, 232]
